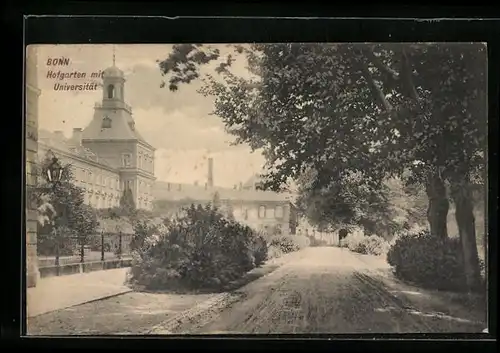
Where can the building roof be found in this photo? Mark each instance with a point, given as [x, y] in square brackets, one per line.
[252, 182]
[121, 129]
[113, 71]
[180, 192]
[122, 124]
[57, 141]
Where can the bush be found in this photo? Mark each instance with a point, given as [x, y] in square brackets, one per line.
[285, 244]
[371, 245]
[427, 261]
[199, 250]
[46, 243]
[259, 248]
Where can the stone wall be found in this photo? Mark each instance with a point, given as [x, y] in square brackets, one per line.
[32, 94]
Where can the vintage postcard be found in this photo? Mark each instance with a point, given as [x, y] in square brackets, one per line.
[311, 188]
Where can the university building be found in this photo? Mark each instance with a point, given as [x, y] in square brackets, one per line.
[109, 155]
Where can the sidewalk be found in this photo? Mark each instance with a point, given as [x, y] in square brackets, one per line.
[55, 293]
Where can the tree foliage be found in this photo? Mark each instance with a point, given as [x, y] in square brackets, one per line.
[415, 111]
[63, 208]
[127, 203]
[377, 109]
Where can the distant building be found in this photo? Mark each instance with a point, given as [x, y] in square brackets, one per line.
[109, 155]
[255, 208]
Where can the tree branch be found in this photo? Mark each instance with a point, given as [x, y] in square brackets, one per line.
[392, 74]
[407, 76]
[375, 89]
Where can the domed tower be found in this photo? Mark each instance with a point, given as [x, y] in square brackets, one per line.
[112, 136]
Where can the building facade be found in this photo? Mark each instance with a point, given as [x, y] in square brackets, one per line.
[109, 156]
[31, 110]
[260, 210]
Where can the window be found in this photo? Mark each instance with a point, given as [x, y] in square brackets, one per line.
[262, 211]
[269, 212]
[106, 123]
[279, 212]
[126, 159]
[111, 91]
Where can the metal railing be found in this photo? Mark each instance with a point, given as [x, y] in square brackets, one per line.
[94, 248]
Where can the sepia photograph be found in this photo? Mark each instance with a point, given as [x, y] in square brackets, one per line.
[264, 188]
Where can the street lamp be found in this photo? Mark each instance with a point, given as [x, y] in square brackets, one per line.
[54, 171]
[53, 174]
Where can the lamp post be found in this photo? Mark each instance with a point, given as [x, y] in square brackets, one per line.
[53, 174]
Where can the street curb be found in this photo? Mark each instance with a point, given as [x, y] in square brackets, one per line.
[125, 291]
[188, 315]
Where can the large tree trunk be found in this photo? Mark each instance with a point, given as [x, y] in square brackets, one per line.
[437, 211]
[462, 197]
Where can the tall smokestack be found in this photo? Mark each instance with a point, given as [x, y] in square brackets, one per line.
[210, 172]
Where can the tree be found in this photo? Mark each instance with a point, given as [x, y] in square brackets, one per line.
[348, 201]
[63, 209]
[127, 203]
[378, 110]
[216, 201]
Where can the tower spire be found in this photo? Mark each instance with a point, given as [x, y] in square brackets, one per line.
[114, 56]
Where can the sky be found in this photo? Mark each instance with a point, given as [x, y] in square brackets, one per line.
[178, 124]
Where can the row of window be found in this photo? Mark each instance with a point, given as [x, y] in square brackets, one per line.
[98, 201]
[262, 212]
[268, 212]
[87, 176]
[145, 161]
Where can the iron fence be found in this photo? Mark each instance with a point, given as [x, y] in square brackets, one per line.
[97, 247]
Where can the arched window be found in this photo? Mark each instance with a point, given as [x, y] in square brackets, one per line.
[111, 91]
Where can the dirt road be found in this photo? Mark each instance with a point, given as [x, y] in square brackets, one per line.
[331, 290]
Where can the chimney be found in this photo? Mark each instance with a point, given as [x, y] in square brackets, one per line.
[59, 134]
[210, 172]
[241, 185]
[77, 135]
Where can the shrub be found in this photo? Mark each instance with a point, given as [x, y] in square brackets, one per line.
[427, 261]
[199, 250]
[46, 243]
[285, 244]
[371, 245]
[259, 247]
